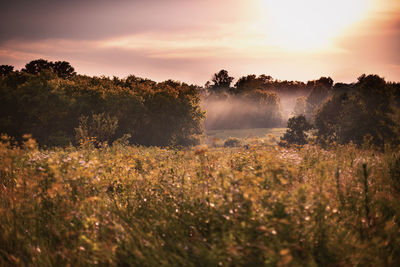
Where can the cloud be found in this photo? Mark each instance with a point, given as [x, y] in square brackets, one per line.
[94, 20]
[184, 40]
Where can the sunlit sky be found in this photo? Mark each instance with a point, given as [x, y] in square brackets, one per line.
[189, 40]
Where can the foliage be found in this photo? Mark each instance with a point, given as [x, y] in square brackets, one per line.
[6, 69]
[62, 69]
[300, 108]
[100, 127]
[40, 102]
[320, 91]
[297, 126]
[247, 105]
[220, 81]
[260, 206]
[359, 110]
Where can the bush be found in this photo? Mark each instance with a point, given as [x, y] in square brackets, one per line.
[232, 142]
[99, 127]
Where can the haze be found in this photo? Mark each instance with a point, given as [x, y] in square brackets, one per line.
[190, 40]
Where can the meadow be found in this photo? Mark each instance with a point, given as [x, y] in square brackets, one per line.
[255, 205]
[253, 134]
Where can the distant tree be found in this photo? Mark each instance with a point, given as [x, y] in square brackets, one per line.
[300, 107]
[297, 126]
[57, 111]
[63, 69]
[363, 109]
[326, 82]
[6, 69]
[319, 93]
[36, 66]
[248, 83]
[221, 81]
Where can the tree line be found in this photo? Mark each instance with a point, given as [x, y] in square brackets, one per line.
[58, 107]
[367, 111]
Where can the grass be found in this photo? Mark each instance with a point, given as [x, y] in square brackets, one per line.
[259, 205]
[265, 134]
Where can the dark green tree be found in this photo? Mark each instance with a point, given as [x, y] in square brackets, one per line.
[295, 134]
[358, 110]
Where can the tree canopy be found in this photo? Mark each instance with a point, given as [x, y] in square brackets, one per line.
[58, 108]
[360, 110]
[62, 69]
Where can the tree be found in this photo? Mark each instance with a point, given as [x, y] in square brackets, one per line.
[300, 107]
[363, 109]
[296, 131]
[36, 66]
[63, 69]
[6, 69]
[319, 93]
[51, 108]
[221, 81]
[249, 83]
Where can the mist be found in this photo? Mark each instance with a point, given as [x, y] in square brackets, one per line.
[226, 111]
[240, 112]
[288, 101]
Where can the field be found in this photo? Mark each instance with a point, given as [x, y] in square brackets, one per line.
[258, 205]
[266, 134]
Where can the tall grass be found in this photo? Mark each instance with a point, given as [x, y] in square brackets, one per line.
[252, 206]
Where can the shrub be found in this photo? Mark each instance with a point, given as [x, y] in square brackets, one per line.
[100, 127]
[232, 142]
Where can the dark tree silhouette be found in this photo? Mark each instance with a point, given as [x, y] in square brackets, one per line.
[295, 133]
[6, 69]
[63, 69]
[36, 66]
[221, 81]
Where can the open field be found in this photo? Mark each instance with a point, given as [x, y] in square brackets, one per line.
[259, 133]
[141, 206]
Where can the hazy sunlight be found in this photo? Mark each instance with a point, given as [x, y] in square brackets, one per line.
[309, 24]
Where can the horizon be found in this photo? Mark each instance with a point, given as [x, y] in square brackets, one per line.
[190, 41]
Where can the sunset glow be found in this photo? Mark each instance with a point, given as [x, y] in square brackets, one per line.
[190, 40]
[310, 24]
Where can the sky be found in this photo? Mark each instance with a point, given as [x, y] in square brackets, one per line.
[189, 40]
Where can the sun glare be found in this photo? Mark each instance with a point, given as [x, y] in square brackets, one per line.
[309, 24]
